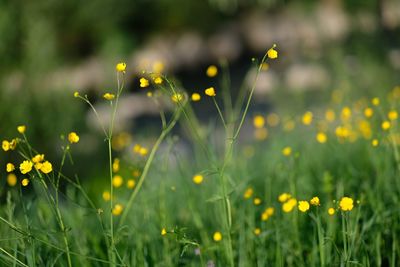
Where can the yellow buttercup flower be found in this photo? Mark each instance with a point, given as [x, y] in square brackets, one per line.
[46, 167]
[261, 134]
[272, 53]
[177, 97]
[198, 179]
[108, 96]
[217, 236]
[121, 67]
[289, 205]
[38, 158]
[117, 210]
[258, 121]
[375, 101]
[163, 231]
[196, 97]
[144, 82]
[11, 179]
[143, 151]
[304, 206]
[368, 112]
[307, 118]
[330, 115]
[284, 197]
[130, 184]
[257, 231]
[210, 91]
[273, 119]
[25, 182]
[257, 201]
[315, 201]
[287, 151]
[106, 195]
[5, 145]
[248, 193]
[117, 181]
[375, 142]
[346, 114]
[115, 165]
[346, 204]
[158, 67]
[25, 166]
[158, 80]
[212, 71]
[13, 144]
[386, 125]
[73, 137]
[264, 216]
[331, 211]
[321, 138]
[393, 115]
[76, 94]
[10, 167]
[270, 211]
[21, 129]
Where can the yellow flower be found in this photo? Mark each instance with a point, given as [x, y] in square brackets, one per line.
[270, 211]
[287, 151]
[248, 193]
[108, 96]
[217, 236]
[10, 167]
[158, 66]
[136, 148]
[375, 101]
[25, 182]
[342, 132]
[321, 138]
[38, 165]
[368, 112]
[346, 204]
[315, 201]
[289, 126]
[163, 231]
[264, 216]
[121, 67]
[261, 134]
[76, 94]
[307, 118]
[257, 201]
[284, 197]
[257, 231]
[136, 173]
[38, 158]
[46, 167]
[198, 179]
[13, 144]
[115, 165]
[117, 181]
[117, 210]
[375, 142]
[273, 119]
[210, 91]
[144, 82]
[177, 97]
[346, 114]
[289, 205]
[5, 145]
[392, 115]
[143, 151]
[21, 129]
[196, 97]
[11, 179]
[304, 206]
[158, 80]
[331, 211]
[130, 184]
[330, 115]
[73, 137]
[212, 71]
[386, 125]
[25, 166]
[106, 195]
[272, 53]
[258, 121]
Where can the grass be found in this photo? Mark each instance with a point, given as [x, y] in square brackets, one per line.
[164, 218]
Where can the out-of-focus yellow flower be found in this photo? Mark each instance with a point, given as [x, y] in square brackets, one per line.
[196, 97]
[261, 134]
[330, 115]
[321, 138]
[375, 142]
[289, 205]
[73, 137]
[25, 182]
[284, 197]
[393, 115]
[315, 201]
[272, 53]
[257, 231]
[346, 114]
[10, 167]
[264, 216]
[304, 206]
[143, 151]
[307, 118]
[342, 132]
[76, 94]
[273, 119]
[331, 211]
[38, 158]
[26, 166]
[144, 82]
[287, 151]
[117, 181]
[177, 97]
[217, 236]
[386, 125]
[117, 210]
[210, 91]
[375, 101]
[115, 165]
[106, 195]
[270, 211]
[248, 193]
[258, 121]
[11, 179]
[108, 96]
[198, 179]
[256, 201]
[163, 231]
[158, 67]
[21, 129]
[158, 80]
[46, 167]
[121, 67]
[130, 184]
[136, 173]
[368, 112]
[289, 126]
[212, 71]
[346, 204]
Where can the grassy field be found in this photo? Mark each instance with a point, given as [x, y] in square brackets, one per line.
[317, 188]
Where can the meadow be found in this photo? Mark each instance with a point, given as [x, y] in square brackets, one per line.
[246, 188]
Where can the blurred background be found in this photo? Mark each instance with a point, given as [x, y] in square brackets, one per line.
[49, 49]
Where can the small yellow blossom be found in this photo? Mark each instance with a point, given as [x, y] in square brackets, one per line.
[307, 118]
[264, 216]
[264, 66]
[149, 94]
[198, 179]
[212, 71]
[26, 166]
[331, 211]
[289, 205]
[25, 182]
[273, 119]
[258, 121]
[393, 115]
[375, 142]
[287, 151]
[117, 210]
[158, 80]
[346, 204]
[196, 97]
[21, 129]
[321, 137]
[261, 134]
[5, 145]
[272, 53]
[106, 195]
[342, 132]
[270, 211]
[315, 201]
[10, 167]
[121, 67]
[76, 94]
[217, 236]
[330, 115]
[375, 101]
[117, 181]
[158, 66]
[163, 231]
[38, 158]
[115, 165]
[386, 125]
[38, 165]
[144, 82]
[46, 167]
[210, 91]
[177, 97]
[284, 197]
[248, 193]
[304, 206]
[13, 144]
[11, 179]
[136, 173]
[368, 112]
[73, 137]
[257, 231]
[108, 96]
[130, 184]
[346, 114]
[256, 201]
[136, 148]
[143, 151]
[289, 126]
